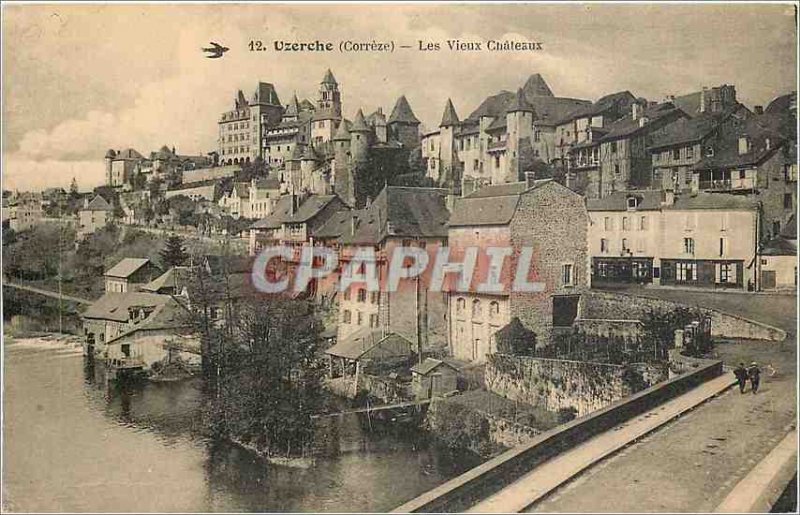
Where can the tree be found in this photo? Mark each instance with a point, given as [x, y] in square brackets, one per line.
[515, 338]
[173, 253]
[73, 189]
[659, 329]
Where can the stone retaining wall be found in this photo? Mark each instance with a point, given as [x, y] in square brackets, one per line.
[603, 305]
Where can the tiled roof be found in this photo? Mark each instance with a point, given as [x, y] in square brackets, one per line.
[329, 78]
[429, 365]
[621, 99]
[649, 200]
[282, 212]
[781, 104]
[449, 117]
[627, 126]
[726, 151]
[359, 124]
[342, 133]
[293, 109]
[338, 224]
[520, 103]
[497, 124]
[491, 205]
[128, 154]
[126, 267]
[114, 306]
[373, 341]
[325, 114]
[687, 130]
[397, 211]
[780, 246]
[703, 200]
[98, 203]
[166, 280]
[268, 183]
[537, 86]
[169, 315]
[402, 112]
[265, 94]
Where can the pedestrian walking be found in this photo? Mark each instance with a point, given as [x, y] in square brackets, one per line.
[741, 376]
[754, 374]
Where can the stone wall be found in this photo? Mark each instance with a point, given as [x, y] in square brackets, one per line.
[555, 384]
[620, 305]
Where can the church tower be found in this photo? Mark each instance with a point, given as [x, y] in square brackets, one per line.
[329, 96]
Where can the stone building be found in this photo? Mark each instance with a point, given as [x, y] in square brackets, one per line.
[615, 157]
[23, 211]
[123, 167]
[94, 215]
[398, 217]
[241, 130]
[491, 144]
[540, 215]
[778, 260]
[690, 239]
[130, 274]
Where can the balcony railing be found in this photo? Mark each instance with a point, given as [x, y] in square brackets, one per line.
[496, 145]
[746, 183]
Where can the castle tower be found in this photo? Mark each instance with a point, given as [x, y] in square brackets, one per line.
[266, 110]
[447, 147]
[292, 110]
[519, 126]
[329, 95]
[359, 138]
[403, 125]
[110, 155]
[308, 161]
[342, 169]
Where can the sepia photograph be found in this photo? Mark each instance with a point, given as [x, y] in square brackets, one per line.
[399, 257]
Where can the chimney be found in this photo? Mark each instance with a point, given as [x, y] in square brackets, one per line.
[353, 219]
[703, 99]
[530, 179]
[636, 110]
[85, 202]
[759, 110]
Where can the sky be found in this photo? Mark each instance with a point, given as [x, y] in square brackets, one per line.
[80, 79]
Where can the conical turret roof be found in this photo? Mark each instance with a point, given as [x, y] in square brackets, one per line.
[402, 112]
[450, 117]
[520, 103]
[293, 109]
[329, 78]
[297, 153]
[309, 154]
[342, 134]
[359, 124]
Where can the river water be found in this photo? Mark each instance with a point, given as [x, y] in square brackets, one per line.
[72, 443]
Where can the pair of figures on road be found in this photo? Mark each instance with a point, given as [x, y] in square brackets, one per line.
[743, 374]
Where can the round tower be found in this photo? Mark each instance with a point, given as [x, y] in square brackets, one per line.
[110, 155]
[359, 138]
[342, 168]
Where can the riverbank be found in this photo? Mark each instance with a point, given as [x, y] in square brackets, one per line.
[64, 343]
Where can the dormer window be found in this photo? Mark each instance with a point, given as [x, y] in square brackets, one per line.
[633, 202]
[710, 152]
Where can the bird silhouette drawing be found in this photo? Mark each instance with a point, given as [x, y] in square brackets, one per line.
[216, 50]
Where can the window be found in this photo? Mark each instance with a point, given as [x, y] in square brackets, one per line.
[475, 164]
[787, 200]
[689, 152]
[566, 275]
[744, 145]
[537, 135]
[686, 271]
[607, 224]
[625, 223]
[625, 245]
[665, 156]
[347, 316]
[347, 294]
[361, 296]
[461, 305]
[632, 202]
[603, 245]
[676, 154]
[722, 246]
[373, 297]
[497, 161]
[742, 174]
[727, 273]
[643, 223]
[613, 147]
[688, 245]
[373, 320]
[616, 169]
[359, 318]
[476, 308]
[494, 308]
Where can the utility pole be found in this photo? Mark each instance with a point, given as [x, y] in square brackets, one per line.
[60, 250]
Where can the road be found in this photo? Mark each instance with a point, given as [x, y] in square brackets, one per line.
[694, 462]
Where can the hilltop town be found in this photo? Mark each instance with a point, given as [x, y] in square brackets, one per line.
[622, 198]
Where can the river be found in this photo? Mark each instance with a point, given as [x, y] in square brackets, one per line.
[73, 444]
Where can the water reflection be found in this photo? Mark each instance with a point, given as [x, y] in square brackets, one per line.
[93, 445]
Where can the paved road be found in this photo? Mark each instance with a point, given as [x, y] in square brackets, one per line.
[47, 293]
[693, 463]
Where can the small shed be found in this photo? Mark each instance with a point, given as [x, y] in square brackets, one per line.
[433, 377]
[370, 346]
